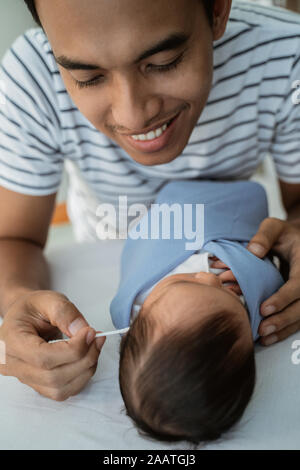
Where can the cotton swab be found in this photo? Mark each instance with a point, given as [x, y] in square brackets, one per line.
[108, 333]
[98, 335]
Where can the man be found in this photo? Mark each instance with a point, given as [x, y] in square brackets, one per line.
[133, 94]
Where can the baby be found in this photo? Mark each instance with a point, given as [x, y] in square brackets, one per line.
[187, 368]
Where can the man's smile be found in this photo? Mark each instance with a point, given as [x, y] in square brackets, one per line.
[154, 141]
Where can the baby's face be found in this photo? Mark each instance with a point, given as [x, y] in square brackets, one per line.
[185, 297]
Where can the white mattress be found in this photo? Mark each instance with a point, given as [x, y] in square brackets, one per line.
[88, 274]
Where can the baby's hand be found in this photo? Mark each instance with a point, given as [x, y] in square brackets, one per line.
[226, 276]
[217, 263]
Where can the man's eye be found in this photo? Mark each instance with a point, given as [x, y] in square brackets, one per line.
[93, 82]
[167, 67]
[156, 68]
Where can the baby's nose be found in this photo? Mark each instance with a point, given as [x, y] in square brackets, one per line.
[210, 279]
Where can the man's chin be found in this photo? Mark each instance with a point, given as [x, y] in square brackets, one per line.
[149, 160]
[154, 158]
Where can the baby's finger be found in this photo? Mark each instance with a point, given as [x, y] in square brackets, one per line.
[227, 276]
[235, 288]
[218, 265]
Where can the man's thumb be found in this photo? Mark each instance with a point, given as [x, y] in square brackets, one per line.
[268, 233]
[77, 325]
[66, 316]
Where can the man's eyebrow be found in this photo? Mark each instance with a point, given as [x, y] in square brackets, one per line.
[173, 41]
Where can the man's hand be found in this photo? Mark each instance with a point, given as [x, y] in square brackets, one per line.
[55, 370]
[282, 309]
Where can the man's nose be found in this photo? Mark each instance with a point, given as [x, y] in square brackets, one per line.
[133, 108]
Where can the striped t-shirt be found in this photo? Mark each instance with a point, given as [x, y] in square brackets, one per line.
[250, 112]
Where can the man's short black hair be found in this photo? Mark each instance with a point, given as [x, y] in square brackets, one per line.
[31, 7]
[208, 5]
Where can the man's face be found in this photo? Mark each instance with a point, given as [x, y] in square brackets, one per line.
[99, 44]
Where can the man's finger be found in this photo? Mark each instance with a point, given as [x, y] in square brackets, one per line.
[294, 262]
[280, 335]
[280, 321]
[67, 318]
[72, 388]
[285, 296]
[268, 233]
[34, 350]
[62, 375]
[59, 311]
[57, 377]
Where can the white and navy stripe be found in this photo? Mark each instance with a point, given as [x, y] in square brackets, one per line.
[249, 113]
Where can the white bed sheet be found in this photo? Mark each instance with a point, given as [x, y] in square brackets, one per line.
[89, 274]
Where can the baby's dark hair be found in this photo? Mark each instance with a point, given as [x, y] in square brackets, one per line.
[192, 384]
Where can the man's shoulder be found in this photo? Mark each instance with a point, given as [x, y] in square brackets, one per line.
[266, 18]
[32, 50]
[256, 35]
[29, 72]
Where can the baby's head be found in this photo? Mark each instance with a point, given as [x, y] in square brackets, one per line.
[187, 369]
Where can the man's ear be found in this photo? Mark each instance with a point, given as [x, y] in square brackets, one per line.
[220, 17]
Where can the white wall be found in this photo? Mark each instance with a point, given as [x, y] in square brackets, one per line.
[14, 20]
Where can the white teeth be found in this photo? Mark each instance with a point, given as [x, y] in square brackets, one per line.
[158, 132]
[151, 135]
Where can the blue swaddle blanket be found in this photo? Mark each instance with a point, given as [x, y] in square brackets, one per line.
[233, 212]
